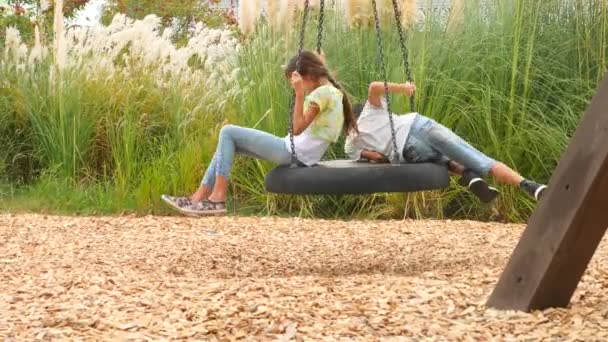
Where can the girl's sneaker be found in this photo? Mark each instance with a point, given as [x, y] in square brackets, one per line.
[185, 206]
[210, 208]
[533, 189]
[182, 204]
[478, 186]
[176, 202]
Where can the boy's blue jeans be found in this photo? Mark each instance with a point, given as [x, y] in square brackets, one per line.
[430, 141]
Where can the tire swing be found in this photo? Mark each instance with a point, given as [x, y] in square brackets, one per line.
[337, 177]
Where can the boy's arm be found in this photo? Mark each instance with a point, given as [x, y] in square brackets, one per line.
[357, 153]
[351, 149]
[374, 156]
[376, 91]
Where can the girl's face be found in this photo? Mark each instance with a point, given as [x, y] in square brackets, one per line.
[309, 84]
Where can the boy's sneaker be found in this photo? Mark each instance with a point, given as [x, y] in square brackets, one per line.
[478, 186]
[533, 189]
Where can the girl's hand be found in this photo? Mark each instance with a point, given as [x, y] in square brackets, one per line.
[297, 83]
[410, 88]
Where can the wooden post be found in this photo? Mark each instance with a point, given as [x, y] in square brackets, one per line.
[568, 224]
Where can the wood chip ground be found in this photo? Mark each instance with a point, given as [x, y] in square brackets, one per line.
[271, 279]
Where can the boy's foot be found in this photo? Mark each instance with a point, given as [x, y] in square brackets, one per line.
[478, 186]
[533, 189]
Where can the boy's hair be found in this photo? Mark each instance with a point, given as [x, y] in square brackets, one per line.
[312, 66]
[357, 109]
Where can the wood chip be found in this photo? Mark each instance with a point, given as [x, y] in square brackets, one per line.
[239, 278]
[290, 332]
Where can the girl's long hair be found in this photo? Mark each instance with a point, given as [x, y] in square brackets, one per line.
[312, 66]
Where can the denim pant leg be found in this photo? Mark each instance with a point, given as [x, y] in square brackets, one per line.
[449, 144]
[417, 148]
[209, 178]
[235, 139]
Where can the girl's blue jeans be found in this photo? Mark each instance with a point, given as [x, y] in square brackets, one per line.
[248, 141]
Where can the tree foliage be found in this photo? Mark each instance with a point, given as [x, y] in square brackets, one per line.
[24, 14]
[180, 14]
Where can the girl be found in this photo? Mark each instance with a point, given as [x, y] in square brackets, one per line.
[322, 112]
[421, 139]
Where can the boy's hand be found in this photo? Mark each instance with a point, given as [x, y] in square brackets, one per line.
[374, 156]
[410, 88]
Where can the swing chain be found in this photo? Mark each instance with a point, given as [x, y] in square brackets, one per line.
[294, 158]
[320, 28]
[395, 157]
[406, 63]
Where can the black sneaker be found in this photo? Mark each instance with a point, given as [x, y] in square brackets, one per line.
[478, 186]
[533, 189]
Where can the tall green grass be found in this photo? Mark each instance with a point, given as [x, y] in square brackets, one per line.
[513, 82]
[124, 138]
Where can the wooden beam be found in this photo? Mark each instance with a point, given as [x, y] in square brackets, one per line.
[568, 224]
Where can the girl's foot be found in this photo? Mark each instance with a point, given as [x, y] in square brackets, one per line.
[478, 186]
[210, 208]
[178, 203]
[533, 189]
[182, 204]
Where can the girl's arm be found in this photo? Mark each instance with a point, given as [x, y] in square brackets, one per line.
[301, 120]
[377, 91]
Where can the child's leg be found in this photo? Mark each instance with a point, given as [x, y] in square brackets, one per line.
[454, 147]
[447, 143]
[455, 168]
[418, 149]
[206, 187]
[201, 194]
[505, 174]
[235, 139]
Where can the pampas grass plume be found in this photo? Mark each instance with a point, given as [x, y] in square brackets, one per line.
[249, 11]
[456, 15]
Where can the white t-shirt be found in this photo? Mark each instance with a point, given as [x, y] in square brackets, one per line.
[375, 132]
[325, 129]
[309, 149]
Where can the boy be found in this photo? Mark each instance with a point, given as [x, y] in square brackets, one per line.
[421, 139]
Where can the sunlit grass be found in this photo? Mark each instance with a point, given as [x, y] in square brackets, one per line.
[513, 83]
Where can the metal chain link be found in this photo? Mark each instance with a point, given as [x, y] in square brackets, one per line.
[406, 63]
[320, 27]
[395, 157]
[294, 157]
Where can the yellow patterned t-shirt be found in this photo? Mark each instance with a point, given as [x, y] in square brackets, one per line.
[324, 129]
[329, 122]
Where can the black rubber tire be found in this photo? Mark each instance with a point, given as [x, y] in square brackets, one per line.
[349, 177]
